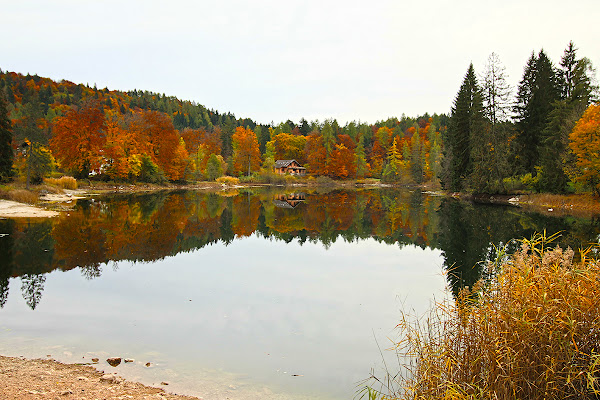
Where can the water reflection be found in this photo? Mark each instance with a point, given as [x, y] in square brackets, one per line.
[149, 227]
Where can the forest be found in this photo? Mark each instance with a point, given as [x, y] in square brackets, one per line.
[543, 138]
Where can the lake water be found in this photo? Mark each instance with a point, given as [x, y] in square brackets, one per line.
[245, 294]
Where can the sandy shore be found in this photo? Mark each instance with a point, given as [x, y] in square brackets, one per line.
[13, 209]
[24, 379]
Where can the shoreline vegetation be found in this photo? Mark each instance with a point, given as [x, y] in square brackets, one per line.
[51, 197]
[527, 330]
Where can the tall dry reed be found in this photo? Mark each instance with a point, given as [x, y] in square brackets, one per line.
[65, 182]
[529, 331]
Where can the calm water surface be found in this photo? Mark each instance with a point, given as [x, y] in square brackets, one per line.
[252, 294]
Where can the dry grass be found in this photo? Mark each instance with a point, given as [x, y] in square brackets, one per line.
[530, 331]
[228, 180]
[65, 182]
[23, 196]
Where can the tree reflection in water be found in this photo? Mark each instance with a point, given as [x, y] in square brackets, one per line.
[149, 227]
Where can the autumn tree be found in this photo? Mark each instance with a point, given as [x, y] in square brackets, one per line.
[78, 139]
[394, 167]
[246, 156]
[287, 146]
[316, 154]
[6, 151]
[342, 163]
[585, 144]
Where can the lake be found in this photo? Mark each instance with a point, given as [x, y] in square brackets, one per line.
[251, 293]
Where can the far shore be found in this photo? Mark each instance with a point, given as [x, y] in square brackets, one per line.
[51, 204]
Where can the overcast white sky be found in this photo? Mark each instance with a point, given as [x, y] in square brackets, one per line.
[271, 60]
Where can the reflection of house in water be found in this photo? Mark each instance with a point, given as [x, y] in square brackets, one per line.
[289, 167]
[289, 200]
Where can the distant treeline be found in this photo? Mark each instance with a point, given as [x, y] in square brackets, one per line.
[542, 138]
[140, 135]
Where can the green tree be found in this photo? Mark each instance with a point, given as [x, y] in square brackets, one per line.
[40, 162]
[578, 92]
[360, 159]
[538, 90]
[490, 150]
[466, 122]
[214, 167]
[6, 153]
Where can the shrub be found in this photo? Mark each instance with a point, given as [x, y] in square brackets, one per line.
[23, 196]
[65, 182]
[323, 180]
[529, 331]
[228, 180]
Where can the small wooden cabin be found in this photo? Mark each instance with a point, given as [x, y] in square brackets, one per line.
[289, 167]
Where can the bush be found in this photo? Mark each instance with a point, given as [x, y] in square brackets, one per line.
[529, 331]
[65, 182]
[23, 196]
[323, 180]
[228, 180]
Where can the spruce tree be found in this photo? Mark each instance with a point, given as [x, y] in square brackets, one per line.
[538, 90]
[466, 122]
[6, 153]
[578, 91]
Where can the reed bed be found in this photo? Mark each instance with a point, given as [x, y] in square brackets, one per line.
[530, 330]
[23, 196]
[65, 182]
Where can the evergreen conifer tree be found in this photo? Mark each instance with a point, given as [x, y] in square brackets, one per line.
[538, 91]
[6, 152]
[466, 122]
[578, 91]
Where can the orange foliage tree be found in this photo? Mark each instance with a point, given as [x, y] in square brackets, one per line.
[585, 144]
[342, 163]
[78, 139]
[246, 156]
[316, 154]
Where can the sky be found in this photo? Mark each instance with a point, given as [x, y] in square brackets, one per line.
[273, 60]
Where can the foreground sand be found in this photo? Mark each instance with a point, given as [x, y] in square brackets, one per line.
[48, 379]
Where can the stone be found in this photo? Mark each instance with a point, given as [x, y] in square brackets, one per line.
[164, 383]
[66, 393]
[128, 360]
[95, 360]
[113, 361]
[108, 378]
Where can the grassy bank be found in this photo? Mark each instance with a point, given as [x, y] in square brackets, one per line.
[530, 330]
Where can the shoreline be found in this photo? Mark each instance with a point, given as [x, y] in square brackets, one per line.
[51, 204]
[24, 378]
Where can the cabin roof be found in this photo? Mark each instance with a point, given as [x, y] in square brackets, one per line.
[285, 163]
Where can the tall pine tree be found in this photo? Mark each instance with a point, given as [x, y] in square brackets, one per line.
[578, 91]
[6, 152]
[466, 123]
[538, 90]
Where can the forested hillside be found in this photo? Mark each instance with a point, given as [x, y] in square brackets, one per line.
[495, 139]
[140, 135]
